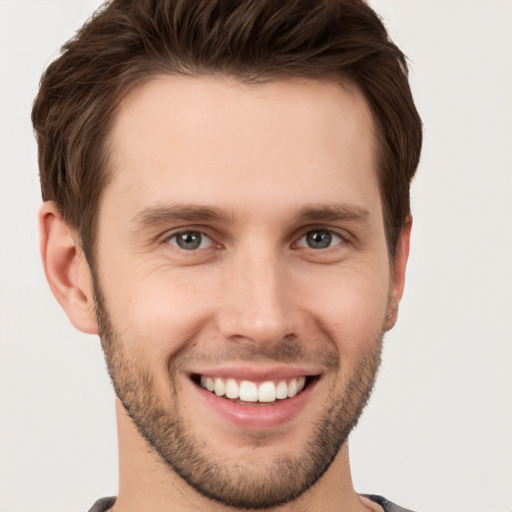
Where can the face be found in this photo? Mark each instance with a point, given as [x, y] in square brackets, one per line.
[242, 278]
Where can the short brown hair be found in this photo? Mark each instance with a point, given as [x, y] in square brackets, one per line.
[127, 42]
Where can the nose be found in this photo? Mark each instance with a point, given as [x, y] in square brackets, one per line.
[259, 304]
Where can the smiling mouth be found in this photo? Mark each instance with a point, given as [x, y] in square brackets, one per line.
[253, 393]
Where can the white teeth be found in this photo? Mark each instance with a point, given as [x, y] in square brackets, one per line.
[232, 388]
[220, 387]
[267, 392]
[292, 388]
[282, 390]
[249, 391]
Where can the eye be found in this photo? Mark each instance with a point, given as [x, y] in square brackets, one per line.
[320, 239]
[190, 240]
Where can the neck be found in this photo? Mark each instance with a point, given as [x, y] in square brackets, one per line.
[147, 483]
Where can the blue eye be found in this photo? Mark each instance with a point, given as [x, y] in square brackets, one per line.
[320, 239]
[190, 240]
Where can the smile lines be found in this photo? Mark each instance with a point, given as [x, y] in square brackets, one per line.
[248, 391]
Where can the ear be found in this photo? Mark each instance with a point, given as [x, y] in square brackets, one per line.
[398, 273]
[66, 269]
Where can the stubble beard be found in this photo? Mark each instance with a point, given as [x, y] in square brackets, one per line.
[245, 484]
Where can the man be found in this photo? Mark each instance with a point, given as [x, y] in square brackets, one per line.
[226, 190]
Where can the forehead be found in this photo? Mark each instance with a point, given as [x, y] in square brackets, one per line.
[210, 139]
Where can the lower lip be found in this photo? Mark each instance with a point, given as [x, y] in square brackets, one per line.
[258, 416]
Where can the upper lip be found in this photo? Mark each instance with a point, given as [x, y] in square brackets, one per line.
[254, 373]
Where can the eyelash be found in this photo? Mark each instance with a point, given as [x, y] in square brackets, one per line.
[342, 239]
[189, 232]
[331, 233]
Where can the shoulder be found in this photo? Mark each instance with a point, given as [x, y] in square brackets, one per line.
[103, 504]
[387, 505]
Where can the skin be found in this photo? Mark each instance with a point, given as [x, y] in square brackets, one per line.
[254, 292]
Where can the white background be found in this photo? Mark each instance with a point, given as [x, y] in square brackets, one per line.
[437, 435]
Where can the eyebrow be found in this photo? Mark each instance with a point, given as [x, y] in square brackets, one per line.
[157, 215]
[333, 212]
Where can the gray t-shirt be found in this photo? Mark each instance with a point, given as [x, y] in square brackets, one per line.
[105, 503]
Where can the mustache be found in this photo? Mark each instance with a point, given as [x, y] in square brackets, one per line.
[287, 351]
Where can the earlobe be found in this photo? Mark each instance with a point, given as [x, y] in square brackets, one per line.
[398, 274]
[66, 269]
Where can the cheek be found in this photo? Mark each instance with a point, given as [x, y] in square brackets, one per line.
[163, 312]
[158, 314]
[350, 307]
